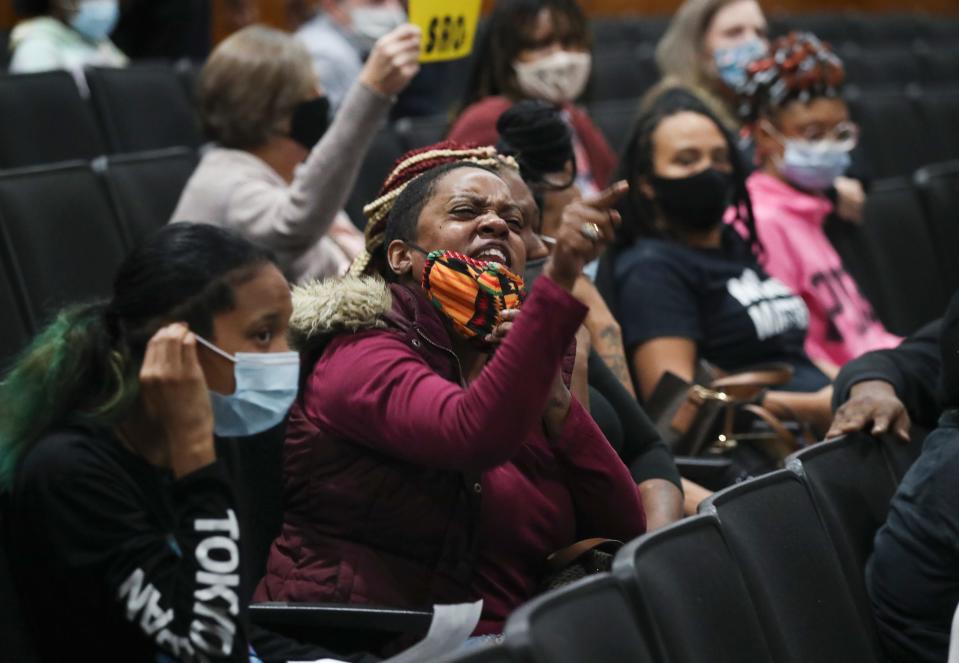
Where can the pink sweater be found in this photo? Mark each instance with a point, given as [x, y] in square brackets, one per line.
[842, 324]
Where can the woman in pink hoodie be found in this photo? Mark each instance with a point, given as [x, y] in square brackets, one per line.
[803, 138]
[420, 466]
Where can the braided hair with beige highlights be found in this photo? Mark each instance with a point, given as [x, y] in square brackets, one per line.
[798, 67]
[407, 168]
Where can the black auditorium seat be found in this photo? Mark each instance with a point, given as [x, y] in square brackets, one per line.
[894, 140]
[588, 620]
[44, 120]
[145, 188]
[63, 236]
[938, 187]
[622, 74]
[883, 29]
[793, 573]
[614, 118]
[644, 29]
[4, 49]
[15, 326]
[188, 73]
[901, 246]
[941, 29]
[255, 463]
[143, 108]
[416, 132]
[833, 27]
[609, 34]
[938, 109]
[17, 644]
[849, 240]
[888, 66]
[902, 455]
[940, 63]
[686, 586]
[852, 483]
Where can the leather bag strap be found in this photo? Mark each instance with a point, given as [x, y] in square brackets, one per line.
[563, 557]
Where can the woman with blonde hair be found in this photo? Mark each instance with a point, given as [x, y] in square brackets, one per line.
[707, 46]
[281, 171]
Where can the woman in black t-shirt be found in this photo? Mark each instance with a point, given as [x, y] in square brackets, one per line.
[688, 288]
[126, 537]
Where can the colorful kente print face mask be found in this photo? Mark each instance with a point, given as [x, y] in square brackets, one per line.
[471, 294]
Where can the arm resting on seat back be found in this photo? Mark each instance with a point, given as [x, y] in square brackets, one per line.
[912, 369]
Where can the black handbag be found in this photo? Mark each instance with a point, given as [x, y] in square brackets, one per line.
[583, 558]
[724, 420]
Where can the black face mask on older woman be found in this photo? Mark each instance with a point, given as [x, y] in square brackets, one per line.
[309, 121]
[696, 202]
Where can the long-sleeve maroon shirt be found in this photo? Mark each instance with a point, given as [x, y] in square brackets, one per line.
[405, 487]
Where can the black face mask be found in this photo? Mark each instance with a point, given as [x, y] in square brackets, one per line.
[696, 202]
[310, 121]
[533, 270]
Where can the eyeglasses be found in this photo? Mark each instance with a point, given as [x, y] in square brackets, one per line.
[845, 134]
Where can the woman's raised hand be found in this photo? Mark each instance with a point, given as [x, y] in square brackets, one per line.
[394, 61]
[175, 398]
[585, 229]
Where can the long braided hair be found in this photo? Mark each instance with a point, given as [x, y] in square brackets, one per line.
[407, 168]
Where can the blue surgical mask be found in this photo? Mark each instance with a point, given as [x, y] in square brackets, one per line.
[95, 19]
[266, 385]
[731, 62]
[814, 165]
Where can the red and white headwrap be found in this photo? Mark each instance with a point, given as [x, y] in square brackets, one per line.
[798, 66]
[408, 167]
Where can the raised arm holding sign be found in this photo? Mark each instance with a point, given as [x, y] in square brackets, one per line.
[449, 27]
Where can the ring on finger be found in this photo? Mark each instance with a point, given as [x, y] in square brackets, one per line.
[590, 231]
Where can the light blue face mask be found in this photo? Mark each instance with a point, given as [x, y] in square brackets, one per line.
[731, 62]
[814, 165]
[95, 19]
[266, 385]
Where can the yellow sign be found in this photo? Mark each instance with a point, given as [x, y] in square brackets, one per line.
[448, 26]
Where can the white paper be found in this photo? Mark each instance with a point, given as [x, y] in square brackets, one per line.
[954, 642]
[451, 626]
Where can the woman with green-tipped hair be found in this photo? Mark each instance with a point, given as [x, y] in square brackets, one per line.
[124, 529]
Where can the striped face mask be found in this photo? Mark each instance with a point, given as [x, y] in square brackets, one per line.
[471, 294]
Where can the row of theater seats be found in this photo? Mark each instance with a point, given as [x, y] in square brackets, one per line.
[630, 70]
[771, 570]
[867, 30]
[46, 118]
[903, 248]
[902, 130]
[903, 255]
[65, 228]
[151, 107]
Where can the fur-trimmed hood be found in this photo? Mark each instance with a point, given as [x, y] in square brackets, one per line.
[322, 309]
